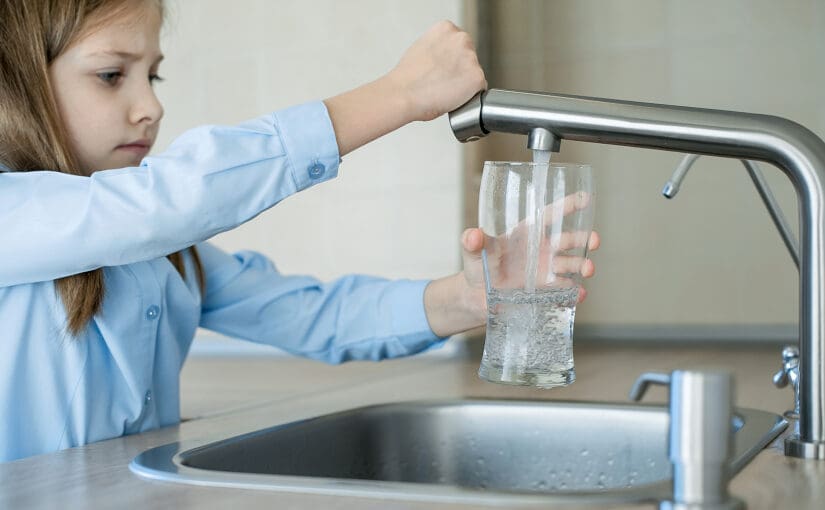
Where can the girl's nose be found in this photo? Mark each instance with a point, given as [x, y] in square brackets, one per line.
[147, 107]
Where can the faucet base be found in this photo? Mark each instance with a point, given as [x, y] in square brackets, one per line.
[795, 447]
[732, 503]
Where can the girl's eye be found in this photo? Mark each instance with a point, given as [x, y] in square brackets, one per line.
[110, 77]
[153, 78]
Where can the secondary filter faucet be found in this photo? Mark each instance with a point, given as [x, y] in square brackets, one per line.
[788, 145]
[700, 438]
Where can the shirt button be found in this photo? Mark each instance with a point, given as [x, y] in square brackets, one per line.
[147, 398]
[316, 170]
[152, 312]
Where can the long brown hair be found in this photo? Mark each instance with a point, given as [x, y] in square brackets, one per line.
[32, 135]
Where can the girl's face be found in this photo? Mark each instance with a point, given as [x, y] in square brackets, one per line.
[103, 87]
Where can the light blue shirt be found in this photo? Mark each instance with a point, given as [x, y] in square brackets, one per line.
[121, 375]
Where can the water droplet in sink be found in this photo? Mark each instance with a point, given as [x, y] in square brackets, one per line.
[553, 473]
[563, 486]
[585, 453]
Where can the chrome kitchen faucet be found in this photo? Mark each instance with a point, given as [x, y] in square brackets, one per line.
[547, 119]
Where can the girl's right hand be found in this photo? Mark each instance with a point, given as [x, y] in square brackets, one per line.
[439, 72]
[436, 75]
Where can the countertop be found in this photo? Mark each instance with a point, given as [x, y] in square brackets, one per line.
[223, 397]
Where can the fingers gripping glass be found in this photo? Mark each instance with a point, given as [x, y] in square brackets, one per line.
[536, 220]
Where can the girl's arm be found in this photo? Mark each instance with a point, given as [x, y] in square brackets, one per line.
[215, 178]
[436, 75]
[355, 317]
[211, 179]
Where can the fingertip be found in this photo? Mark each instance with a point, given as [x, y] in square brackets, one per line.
[472, 239]
[595, 241]
[467, 239]
[582, 294]
[588, 268]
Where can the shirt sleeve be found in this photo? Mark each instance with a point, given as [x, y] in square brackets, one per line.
[211, 179]
[354, 317]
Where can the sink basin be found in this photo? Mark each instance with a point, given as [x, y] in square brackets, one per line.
[479, 451]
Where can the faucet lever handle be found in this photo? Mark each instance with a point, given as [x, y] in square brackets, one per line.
[645, 380]
[790, 363]
[789, 374]
[780, 378]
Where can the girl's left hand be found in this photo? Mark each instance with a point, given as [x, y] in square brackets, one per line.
[473, 242]
[459, 302]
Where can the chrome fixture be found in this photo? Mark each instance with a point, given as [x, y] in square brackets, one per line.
[700, 439]
[789, 373]
[672, 187]
[790, 354]
[540, 139]
[788, 145]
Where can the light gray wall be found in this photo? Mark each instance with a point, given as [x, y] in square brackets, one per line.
[711, 256]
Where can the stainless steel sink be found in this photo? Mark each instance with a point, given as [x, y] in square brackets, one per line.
[479, 451]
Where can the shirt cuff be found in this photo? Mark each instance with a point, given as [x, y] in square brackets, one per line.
[309, 142]
[411, 326]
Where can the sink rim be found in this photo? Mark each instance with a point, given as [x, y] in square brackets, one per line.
[168, 462]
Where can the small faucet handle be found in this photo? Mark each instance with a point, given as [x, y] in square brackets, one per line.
[790, 353]
[790, 361]
[644, 381]
[780, 378]
[789, 374]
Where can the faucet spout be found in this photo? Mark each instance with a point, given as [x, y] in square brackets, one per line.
[672, 187]
[788, 145]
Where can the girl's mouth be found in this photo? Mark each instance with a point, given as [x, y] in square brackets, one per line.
[138, 148]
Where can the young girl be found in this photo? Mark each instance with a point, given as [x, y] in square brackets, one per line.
[105, 272]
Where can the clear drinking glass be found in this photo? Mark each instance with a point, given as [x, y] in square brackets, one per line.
[536, 220]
